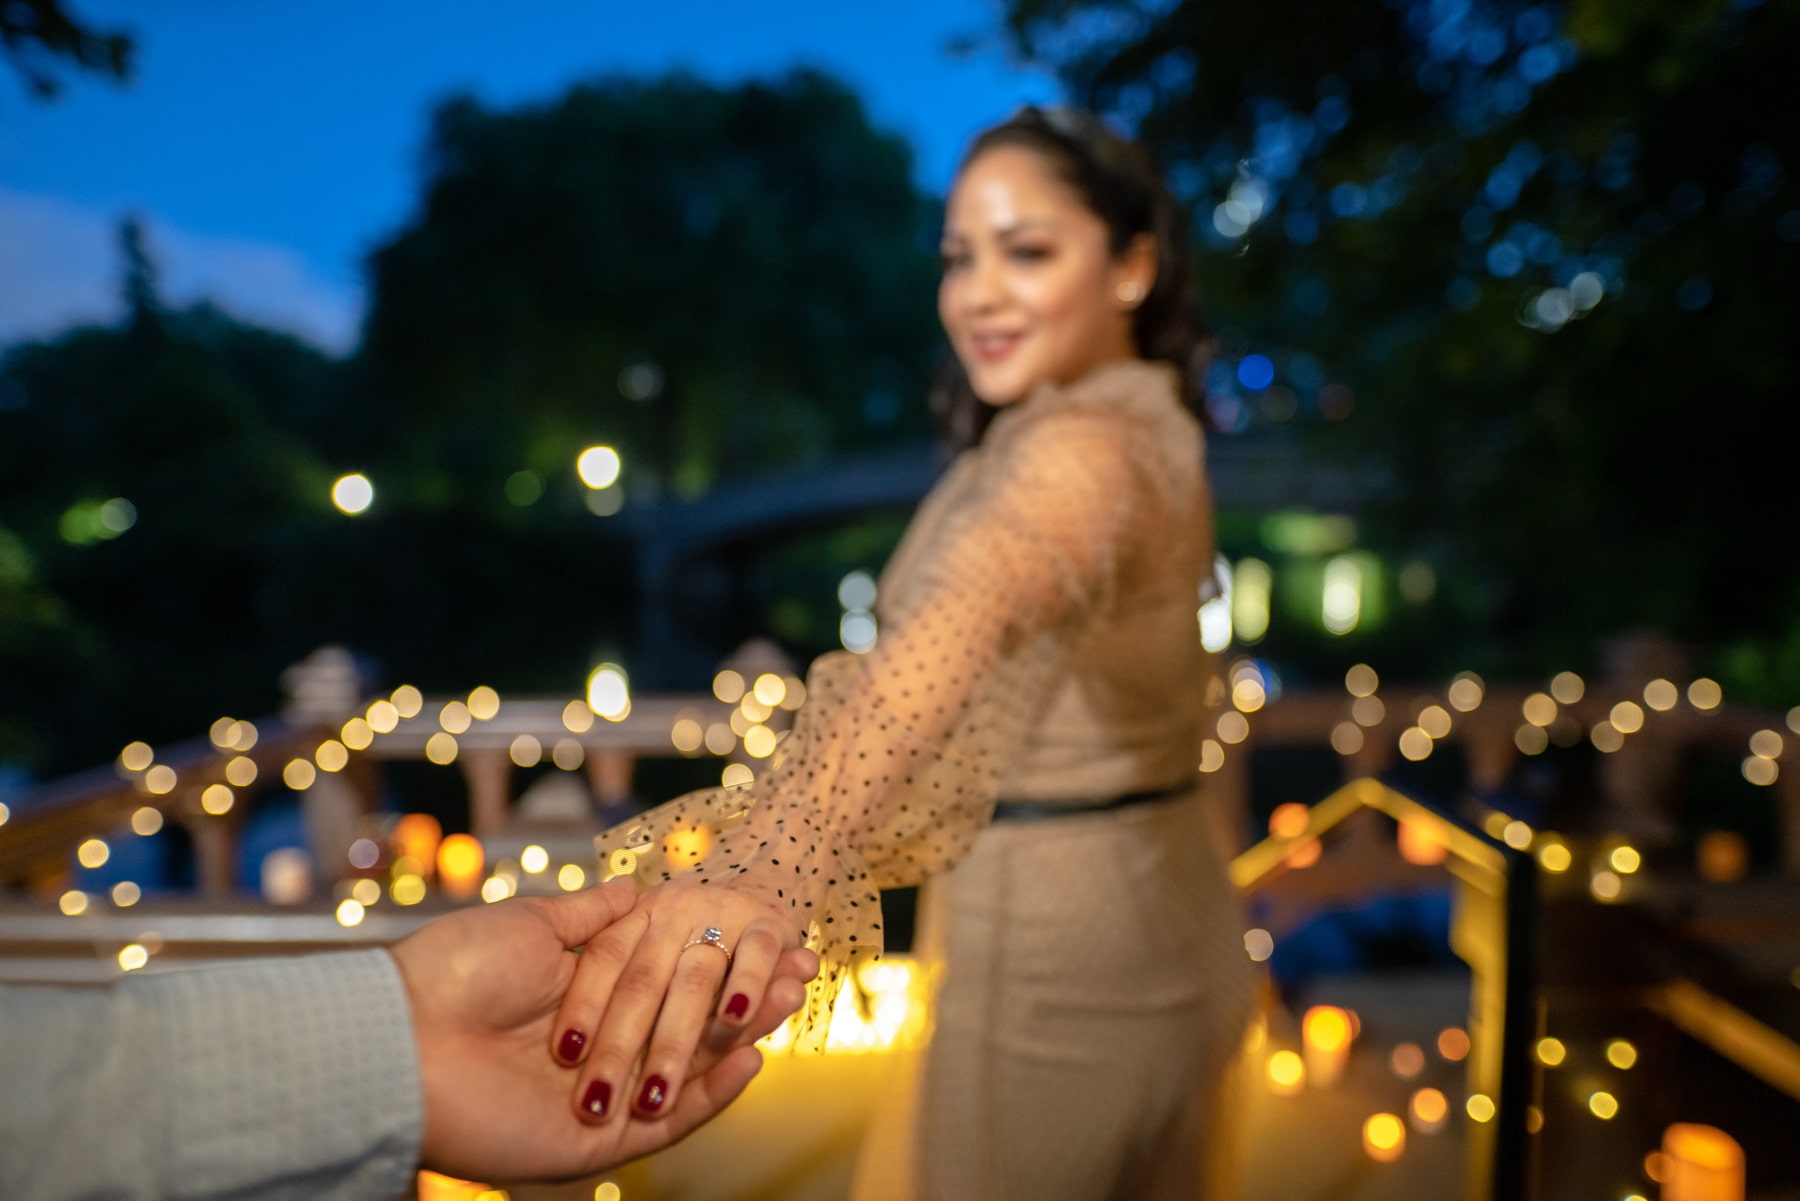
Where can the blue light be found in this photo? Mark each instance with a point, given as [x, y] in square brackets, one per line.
[1348, 199]
[1256, 372]
[1505, 260]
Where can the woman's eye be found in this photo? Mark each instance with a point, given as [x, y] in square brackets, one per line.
[949, 261]
[1029, 254]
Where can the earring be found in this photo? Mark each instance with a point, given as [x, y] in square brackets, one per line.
[1131, 293]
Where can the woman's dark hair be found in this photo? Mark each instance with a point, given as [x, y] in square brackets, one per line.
[1119, 183]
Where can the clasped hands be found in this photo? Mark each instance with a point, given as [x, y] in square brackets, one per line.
[561, 1036]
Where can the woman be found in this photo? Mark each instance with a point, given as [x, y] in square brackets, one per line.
[1038, 650]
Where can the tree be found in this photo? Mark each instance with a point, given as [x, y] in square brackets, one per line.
[38, 36]
[714, 281]
[1548, 249]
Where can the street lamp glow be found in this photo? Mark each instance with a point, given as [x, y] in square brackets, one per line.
[598, 467]
[353, 493]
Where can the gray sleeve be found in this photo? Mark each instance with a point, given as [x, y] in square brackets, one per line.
[293, 1078]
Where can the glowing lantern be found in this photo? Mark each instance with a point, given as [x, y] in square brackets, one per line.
[1325, 1035]
[459, 860]
[1704, 1164]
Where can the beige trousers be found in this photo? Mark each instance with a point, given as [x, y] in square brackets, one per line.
[1094, 991]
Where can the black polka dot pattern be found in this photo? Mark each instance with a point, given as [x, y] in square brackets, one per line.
[893, 763]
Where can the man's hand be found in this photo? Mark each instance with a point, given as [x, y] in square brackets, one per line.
[485, 985]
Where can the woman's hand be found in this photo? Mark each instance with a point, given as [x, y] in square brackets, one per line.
[655, 985]
[484, 985]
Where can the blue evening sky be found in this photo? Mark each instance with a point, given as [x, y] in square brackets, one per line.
[269, 145]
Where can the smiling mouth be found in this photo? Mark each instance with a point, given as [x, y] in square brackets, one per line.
[992, 347]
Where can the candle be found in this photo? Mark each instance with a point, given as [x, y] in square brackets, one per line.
[1703, 1164]
[459, 861]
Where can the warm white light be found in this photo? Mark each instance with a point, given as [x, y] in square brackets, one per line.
[570, 877]
[332, 755]
[125, 894]
[133, 956]
[598, 466]
[1415, 744]
[1340, 604]
[1603, 1105]
[299, 774]
[1361, 680]
[608, 693]
[1466, 691]
[136, 756]
[526, 751]
[93, 853]
[217, 799]
[1704, 694]
[534, 859]
[441, 748]
[1567, 687]
[353, 493]
[1258, 944]
[350, 912]
[484, 703]
[407, 700]
[1251, 585]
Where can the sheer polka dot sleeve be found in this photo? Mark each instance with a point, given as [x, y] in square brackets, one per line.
[892, 765]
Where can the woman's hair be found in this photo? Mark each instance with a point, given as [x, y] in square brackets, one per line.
[1119, 184]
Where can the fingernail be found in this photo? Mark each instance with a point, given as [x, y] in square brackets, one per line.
[655, 1092]
[569, 1049]
[597, 1098]
[737, 1007]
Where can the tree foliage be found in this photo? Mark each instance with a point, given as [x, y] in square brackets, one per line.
[715, 281]
[1549, 249]
[39, 36]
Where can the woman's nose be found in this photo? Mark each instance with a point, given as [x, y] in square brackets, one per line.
[983, 287]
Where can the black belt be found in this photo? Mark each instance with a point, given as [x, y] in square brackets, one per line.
[1031, 811]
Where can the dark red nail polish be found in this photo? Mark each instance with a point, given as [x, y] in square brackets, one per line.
[738, 1006]
[653, 1094]
[597, 1098]
[569, 1049]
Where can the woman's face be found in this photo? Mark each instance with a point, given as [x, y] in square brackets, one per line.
[1031, 292]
